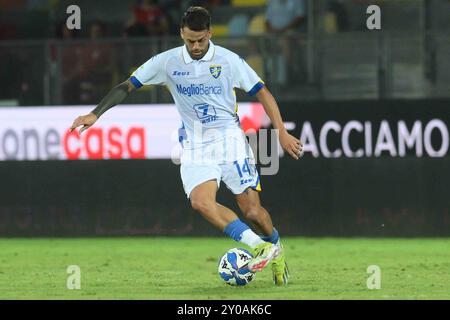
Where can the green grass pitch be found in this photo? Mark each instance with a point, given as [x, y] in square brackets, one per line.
[186, 268]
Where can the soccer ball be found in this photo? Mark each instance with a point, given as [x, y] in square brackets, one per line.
[233, 267]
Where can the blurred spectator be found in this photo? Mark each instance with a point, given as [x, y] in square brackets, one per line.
[148, 19]
[255, 59]
[208, 4]
[39, 4]
[70, 55]
[97, 30]
[287, 18]
[7, 30]
[10, 74]
[337, 8]
[87, 68]
[172, 9]
[8, 27]
[97, 66]
[285, 15]
[9, 5]
[65, 34]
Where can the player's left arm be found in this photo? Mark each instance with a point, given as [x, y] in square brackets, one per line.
[289, 143]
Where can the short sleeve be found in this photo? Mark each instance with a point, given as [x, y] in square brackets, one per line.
[151, 72]
[244, 77]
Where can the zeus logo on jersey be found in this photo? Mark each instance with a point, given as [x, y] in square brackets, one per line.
[180, 73]
[199, 90]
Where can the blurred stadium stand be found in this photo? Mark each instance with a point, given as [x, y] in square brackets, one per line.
[335, 58]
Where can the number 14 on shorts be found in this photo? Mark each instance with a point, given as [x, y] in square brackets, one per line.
[242, 169]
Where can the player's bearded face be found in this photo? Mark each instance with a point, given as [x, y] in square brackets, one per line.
[197, 42]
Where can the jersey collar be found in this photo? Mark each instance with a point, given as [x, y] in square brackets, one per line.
[207, 57]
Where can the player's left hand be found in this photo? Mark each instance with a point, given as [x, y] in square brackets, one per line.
[292, 145]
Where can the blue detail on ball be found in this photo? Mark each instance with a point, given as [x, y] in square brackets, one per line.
[226, 277]
[232, 259]
[243, 271]
[240, 281]
[233, 267]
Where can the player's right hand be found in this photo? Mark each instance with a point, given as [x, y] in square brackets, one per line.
[86, 121]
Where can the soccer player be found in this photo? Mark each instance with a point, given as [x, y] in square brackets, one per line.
[201, 78]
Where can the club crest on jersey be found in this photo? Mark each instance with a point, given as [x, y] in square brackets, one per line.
[215, 70]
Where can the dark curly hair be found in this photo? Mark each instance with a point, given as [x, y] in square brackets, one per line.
[196, 19]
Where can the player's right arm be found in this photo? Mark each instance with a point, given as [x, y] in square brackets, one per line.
[115, 96]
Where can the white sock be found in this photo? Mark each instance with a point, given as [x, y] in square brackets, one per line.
[250, 238]
[280, 247]
[278, 244]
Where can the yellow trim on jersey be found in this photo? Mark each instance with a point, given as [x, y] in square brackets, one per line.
[236, 105]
